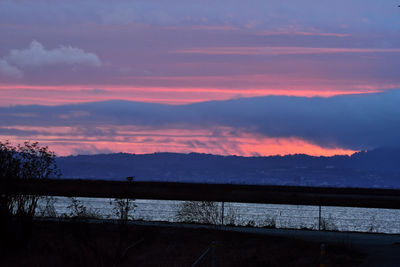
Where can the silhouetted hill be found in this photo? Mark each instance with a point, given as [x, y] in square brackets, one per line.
[376, 168]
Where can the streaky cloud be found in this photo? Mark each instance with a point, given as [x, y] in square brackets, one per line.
[284, 50]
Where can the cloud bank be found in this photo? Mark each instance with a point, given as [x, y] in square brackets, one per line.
[355, 122]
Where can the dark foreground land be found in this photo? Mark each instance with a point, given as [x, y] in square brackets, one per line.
[105, 244]
[295, 195]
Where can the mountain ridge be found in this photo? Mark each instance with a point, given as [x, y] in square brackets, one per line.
[370, 169]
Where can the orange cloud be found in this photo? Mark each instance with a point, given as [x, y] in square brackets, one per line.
[139, 140]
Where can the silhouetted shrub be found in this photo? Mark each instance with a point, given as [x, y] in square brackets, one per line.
[78, 211]
[206, 212]
[269, 222]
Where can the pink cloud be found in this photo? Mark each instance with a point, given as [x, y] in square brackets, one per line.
[283, 50]
[303, 33]
[203, 27]
[21, 94]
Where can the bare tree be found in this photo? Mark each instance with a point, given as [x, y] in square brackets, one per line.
[123, 206]
[22, 162]
[36, 162]
[9, 171]
[26, 162]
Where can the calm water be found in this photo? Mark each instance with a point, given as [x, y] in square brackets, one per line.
[283, 216]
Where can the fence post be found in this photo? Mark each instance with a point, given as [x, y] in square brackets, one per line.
[213, 254]
[222, 213]
[319, 217]
[323, 256]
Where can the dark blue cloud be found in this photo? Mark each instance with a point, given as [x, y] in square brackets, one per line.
[360, 121]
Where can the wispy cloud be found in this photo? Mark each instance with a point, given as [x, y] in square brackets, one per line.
[303, 33]
[283, 50]
[185, 90]
[203, 28]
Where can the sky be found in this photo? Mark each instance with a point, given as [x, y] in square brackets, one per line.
[251, 78]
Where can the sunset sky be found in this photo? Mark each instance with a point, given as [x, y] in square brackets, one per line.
[224, 77]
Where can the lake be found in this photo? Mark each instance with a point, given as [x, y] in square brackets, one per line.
[259, 215]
